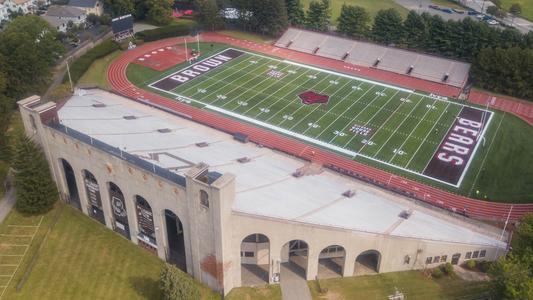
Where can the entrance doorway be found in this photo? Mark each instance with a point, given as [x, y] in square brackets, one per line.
[118, 207]
[176, 240]
[93, 195]
[70, 178]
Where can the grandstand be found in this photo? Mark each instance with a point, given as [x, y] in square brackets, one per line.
[423, 66]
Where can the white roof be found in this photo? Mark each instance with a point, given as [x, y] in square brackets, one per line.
[265, 185]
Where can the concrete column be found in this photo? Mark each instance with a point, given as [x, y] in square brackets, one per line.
[312, 262]
[106, 202]
[80, 185]
[275, 259]
[160, 232]
[349, 263]
[132, 214]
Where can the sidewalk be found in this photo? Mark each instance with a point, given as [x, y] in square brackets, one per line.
[293, 284]
[7, 203]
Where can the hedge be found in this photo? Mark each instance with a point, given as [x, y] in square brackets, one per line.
[82, 63]
[164, 32]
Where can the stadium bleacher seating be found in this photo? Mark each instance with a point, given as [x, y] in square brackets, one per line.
[423, 66]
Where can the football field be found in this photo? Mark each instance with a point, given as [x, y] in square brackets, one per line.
[427, 135]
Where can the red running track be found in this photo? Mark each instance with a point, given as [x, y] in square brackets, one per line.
[450, 201]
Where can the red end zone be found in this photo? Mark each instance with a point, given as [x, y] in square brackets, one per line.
[163, 58]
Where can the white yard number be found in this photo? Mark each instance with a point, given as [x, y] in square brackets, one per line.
[287, 117]
[242, 103]
[202, 91]
[313, 125]
[381, 94]
[291, 72]
[357, 88]
[334, 82]
[367, 142]
[431, 106]
[184, 100]
[405, 100]
[311, 76]
[253, 62]
[221, 97]
[265, 110]
[273, 67]
[339, 133]
[399, 152]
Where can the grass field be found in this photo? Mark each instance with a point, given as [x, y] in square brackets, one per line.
[82, 259]
[485, 172]
[527, 7]
[268, 292]
[95, 75]
[371, 6]
[413, 284]
[15, 129]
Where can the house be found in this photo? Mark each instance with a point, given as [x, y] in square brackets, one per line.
[22, 6]
[59, 16]
[89, 6]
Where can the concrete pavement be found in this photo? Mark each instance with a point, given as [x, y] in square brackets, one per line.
[293, 283]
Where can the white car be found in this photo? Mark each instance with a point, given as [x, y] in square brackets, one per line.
[492, 22]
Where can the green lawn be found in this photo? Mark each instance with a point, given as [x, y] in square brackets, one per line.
[527, 7]
[96, 75]
[448, 3]
[269, 292]
[15, 129]
[248, 36]
[413, 284]
[82, 259]
[372, 6]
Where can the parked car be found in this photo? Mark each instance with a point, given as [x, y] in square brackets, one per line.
[480, 16]
[447, 10]
[459, 11]
[434, 6]
[492, 22]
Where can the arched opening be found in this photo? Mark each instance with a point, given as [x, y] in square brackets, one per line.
[176, 240]
[294, 256]
[70, 178]
[118, 207]
[145, 223]
[367, 263]
[331, 262]
[93, 195]
[255, 259]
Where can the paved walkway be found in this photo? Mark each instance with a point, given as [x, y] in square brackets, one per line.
[7, 203]
[293, 284]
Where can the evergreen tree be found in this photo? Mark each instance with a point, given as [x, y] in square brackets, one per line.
[295, 12]
[159, 11]
[177, 285]
[318, 15]
[353, 21]
[120, 7]
[269, 17]
[388, 27]
[416, 31]
[208, 14]
[35, 190]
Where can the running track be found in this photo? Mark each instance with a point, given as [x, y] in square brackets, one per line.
[473, 208]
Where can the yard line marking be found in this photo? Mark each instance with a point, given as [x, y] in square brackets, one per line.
[15, 235]
[13, 245]
[425, 138]
[11, 255]
[318, 106]
[325, 114]
[23, 226]
[382, 124]
[359, 113]
[403, 121]
[372, 118]
[413, 130]
[5, 275]
[8, 265]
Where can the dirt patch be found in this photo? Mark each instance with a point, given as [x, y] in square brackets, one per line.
[469, 275]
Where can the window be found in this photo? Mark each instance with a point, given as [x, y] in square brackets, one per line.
[248, 254]
[443, 258]
[468, 255]
[436, 259]
[204, 199]
[482, 253]
[476, 254]
[428, 260]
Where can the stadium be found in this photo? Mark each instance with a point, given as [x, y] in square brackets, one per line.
[247, 164]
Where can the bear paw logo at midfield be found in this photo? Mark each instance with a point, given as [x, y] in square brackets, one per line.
[310, 97]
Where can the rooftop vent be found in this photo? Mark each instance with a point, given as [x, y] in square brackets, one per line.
[346, 55]
[376, 63]
[241, 137]
[349, 193]
[164, 130]
[243, 160]
[298, 174]
[130, 117]
[202, 144]
[405, 214]
[316, 50]
[99, 105]
[410, 69]
[446, 76]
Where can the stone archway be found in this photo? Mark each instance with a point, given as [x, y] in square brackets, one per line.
[119, 210]
[294, 258]
[255, 260]
[93, 196]
[367, 263]
[72, 187]
[331, 262]
[145, 223]
[176, 240]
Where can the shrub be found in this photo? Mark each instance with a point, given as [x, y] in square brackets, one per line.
[164, 32]
[82, 64]
[177, 285]
[437, 273]
[484, 266]
[447, 268]
[471, 264]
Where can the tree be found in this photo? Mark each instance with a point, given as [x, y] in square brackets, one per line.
[353, 21]
[318, 15]
[177, 285]
[523, 242]
[92, 19]
[159, 11]
[515, 9]
[295, 12]
[416, 30]
[35, 190]
[269, 17]
[208, 14]
[388, 27]
[30, 47]
[120, 7]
